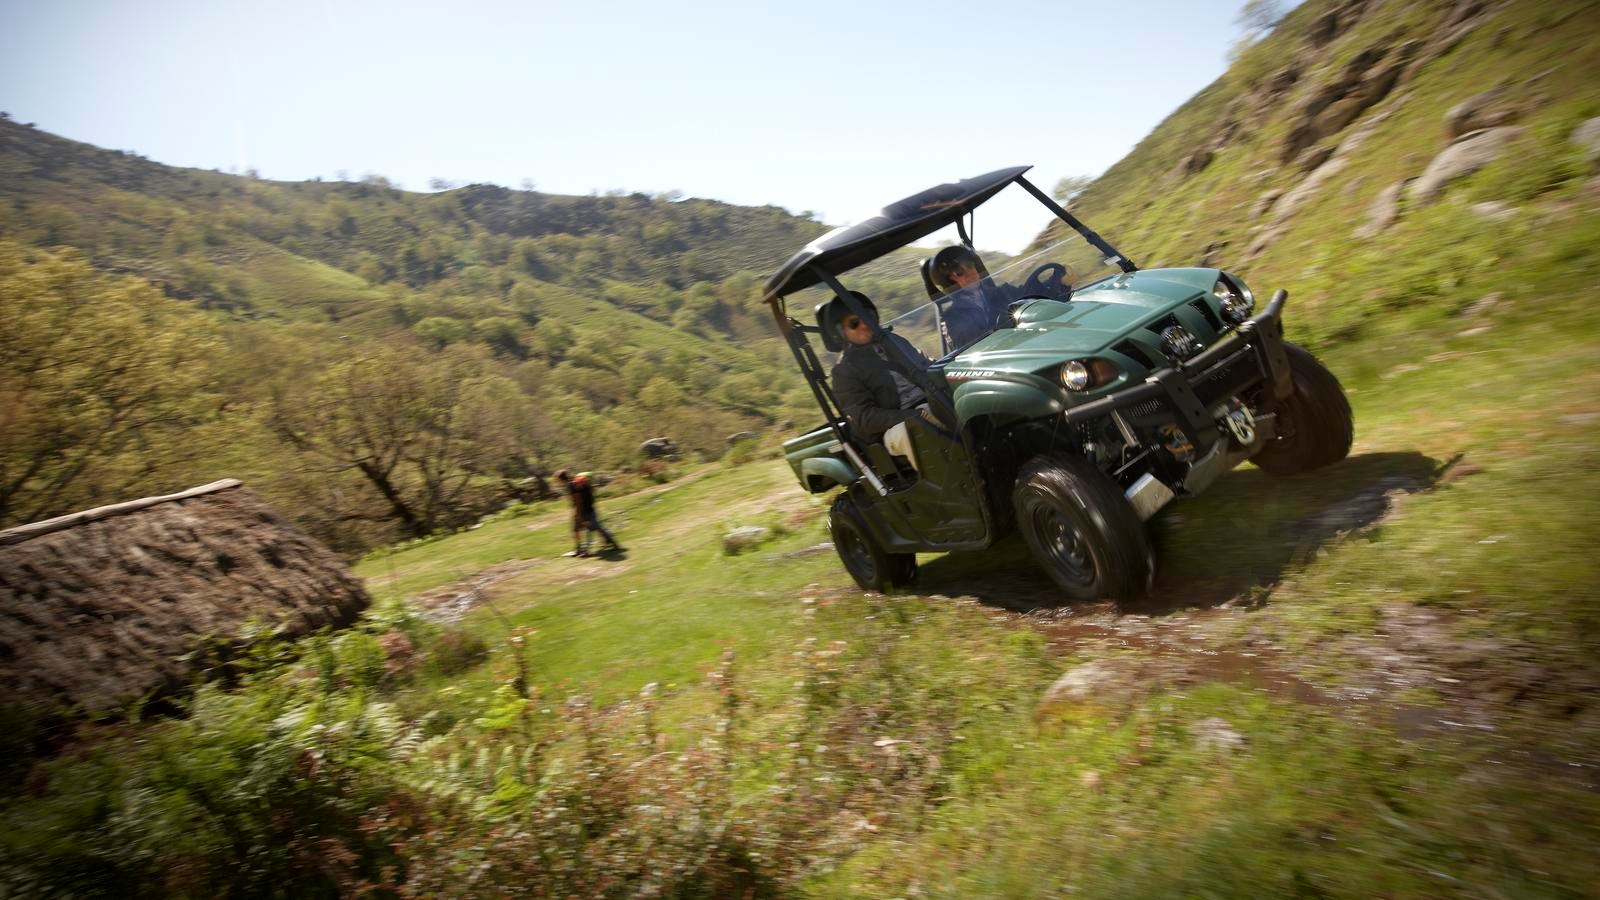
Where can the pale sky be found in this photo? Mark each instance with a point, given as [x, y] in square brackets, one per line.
[827, 106]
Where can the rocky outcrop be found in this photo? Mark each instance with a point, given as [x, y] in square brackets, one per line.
[1480, 111]
[745, 537]
[1383, 212]
[1329, 107]
[101, 608]
[659, 448]
[1470, 153]
[1587, 136]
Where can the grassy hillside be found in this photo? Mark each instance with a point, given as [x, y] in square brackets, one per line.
[1374, 680]
[612, 318]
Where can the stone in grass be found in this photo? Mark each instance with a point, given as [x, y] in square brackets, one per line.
[744, 538]
[1216, 734]
[1587, 136]
[1468, 154]
[1111, 681]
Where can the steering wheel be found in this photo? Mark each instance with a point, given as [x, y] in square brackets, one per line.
[1052, 280]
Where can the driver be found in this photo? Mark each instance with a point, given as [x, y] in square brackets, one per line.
[876, 398]
[973, 306]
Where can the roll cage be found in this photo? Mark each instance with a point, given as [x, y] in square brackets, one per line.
[897, 225]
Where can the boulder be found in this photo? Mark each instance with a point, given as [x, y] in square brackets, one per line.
[1216, 734]
[1494, 211]
[1587, 136]
[1467, 155]
[1264, 203]
[1210, 255]
[1331, 106]
[660, 448]
[1313, 157]
[1103, 681]
[739, 436]
[1383, 212]
[744, 538]
[1324, 29]
[1480, 111]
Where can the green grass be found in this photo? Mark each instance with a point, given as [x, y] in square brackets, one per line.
[847, 744]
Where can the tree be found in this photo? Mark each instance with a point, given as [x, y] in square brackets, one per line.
[441, 331]
[1070, 187]
[1260, 16]
[417, 427]
[100, 378]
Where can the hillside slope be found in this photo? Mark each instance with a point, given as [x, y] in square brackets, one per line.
[1375, 680]
[596, 322]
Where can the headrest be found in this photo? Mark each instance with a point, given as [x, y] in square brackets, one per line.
[830, 314]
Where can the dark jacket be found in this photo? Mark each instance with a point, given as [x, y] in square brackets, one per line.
[865, 386]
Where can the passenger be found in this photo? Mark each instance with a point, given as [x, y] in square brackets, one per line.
[876, 397]
[969, 311]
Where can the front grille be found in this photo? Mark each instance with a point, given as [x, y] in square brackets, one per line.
[1163, 324]
[1228, 379]
[1133, 352]
[1141, 410]
[1204, 308]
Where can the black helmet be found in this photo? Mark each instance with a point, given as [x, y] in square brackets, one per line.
[831, 316]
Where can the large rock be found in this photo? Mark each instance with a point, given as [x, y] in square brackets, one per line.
[1587, 136]
[1467, 155]
[1112, 680]
[1216, 734]
[660, 448]
[103, 607]
[1328, 108]
[744, 538]
[1480, 111]
[1383, 212]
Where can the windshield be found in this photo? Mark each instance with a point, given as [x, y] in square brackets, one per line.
[944, 296]
[969, 295]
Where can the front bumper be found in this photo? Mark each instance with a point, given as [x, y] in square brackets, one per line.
[1259, 338]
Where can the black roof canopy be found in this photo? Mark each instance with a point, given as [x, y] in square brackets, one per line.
[897, 225]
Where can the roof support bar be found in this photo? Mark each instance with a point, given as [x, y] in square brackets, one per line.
[1088, 233]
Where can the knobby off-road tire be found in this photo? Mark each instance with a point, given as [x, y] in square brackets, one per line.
[873, 567]
[1314, 424]
[1082, 530]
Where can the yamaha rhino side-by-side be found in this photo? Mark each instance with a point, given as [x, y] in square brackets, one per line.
[1098, 393]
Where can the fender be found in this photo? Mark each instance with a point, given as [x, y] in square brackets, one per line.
[1017, 398]
[828, 469]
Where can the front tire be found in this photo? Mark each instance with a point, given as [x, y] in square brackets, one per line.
[1082, 530]
[1314, 425]
[872, 567]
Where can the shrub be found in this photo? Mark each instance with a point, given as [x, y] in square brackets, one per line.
[455, 651]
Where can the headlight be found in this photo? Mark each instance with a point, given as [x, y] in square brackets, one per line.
[1237, 302]
[1075, 376]
[1083, 374]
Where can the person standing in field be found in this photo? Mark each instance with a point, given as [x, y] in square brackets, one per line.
[585, 521]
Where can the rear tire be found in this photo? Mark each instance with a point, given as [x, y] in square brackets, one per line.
[1082, 530]
[1314, 425]
[872, 567]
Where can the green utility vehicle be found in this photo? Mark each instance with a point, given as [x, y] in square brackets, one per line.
[1088, 394]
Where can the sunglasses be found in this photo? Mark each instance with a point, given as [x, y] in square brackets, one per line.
[853, 323]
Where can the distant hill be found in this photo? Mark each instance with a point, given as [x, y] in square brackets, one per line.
[582, 303]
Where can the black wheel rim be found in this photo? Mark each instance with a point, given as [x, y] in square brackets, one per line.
[1063, 544]
[857, 556]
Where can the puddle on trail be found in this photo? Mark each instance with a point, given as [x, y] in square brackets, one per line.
[1255, 670]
